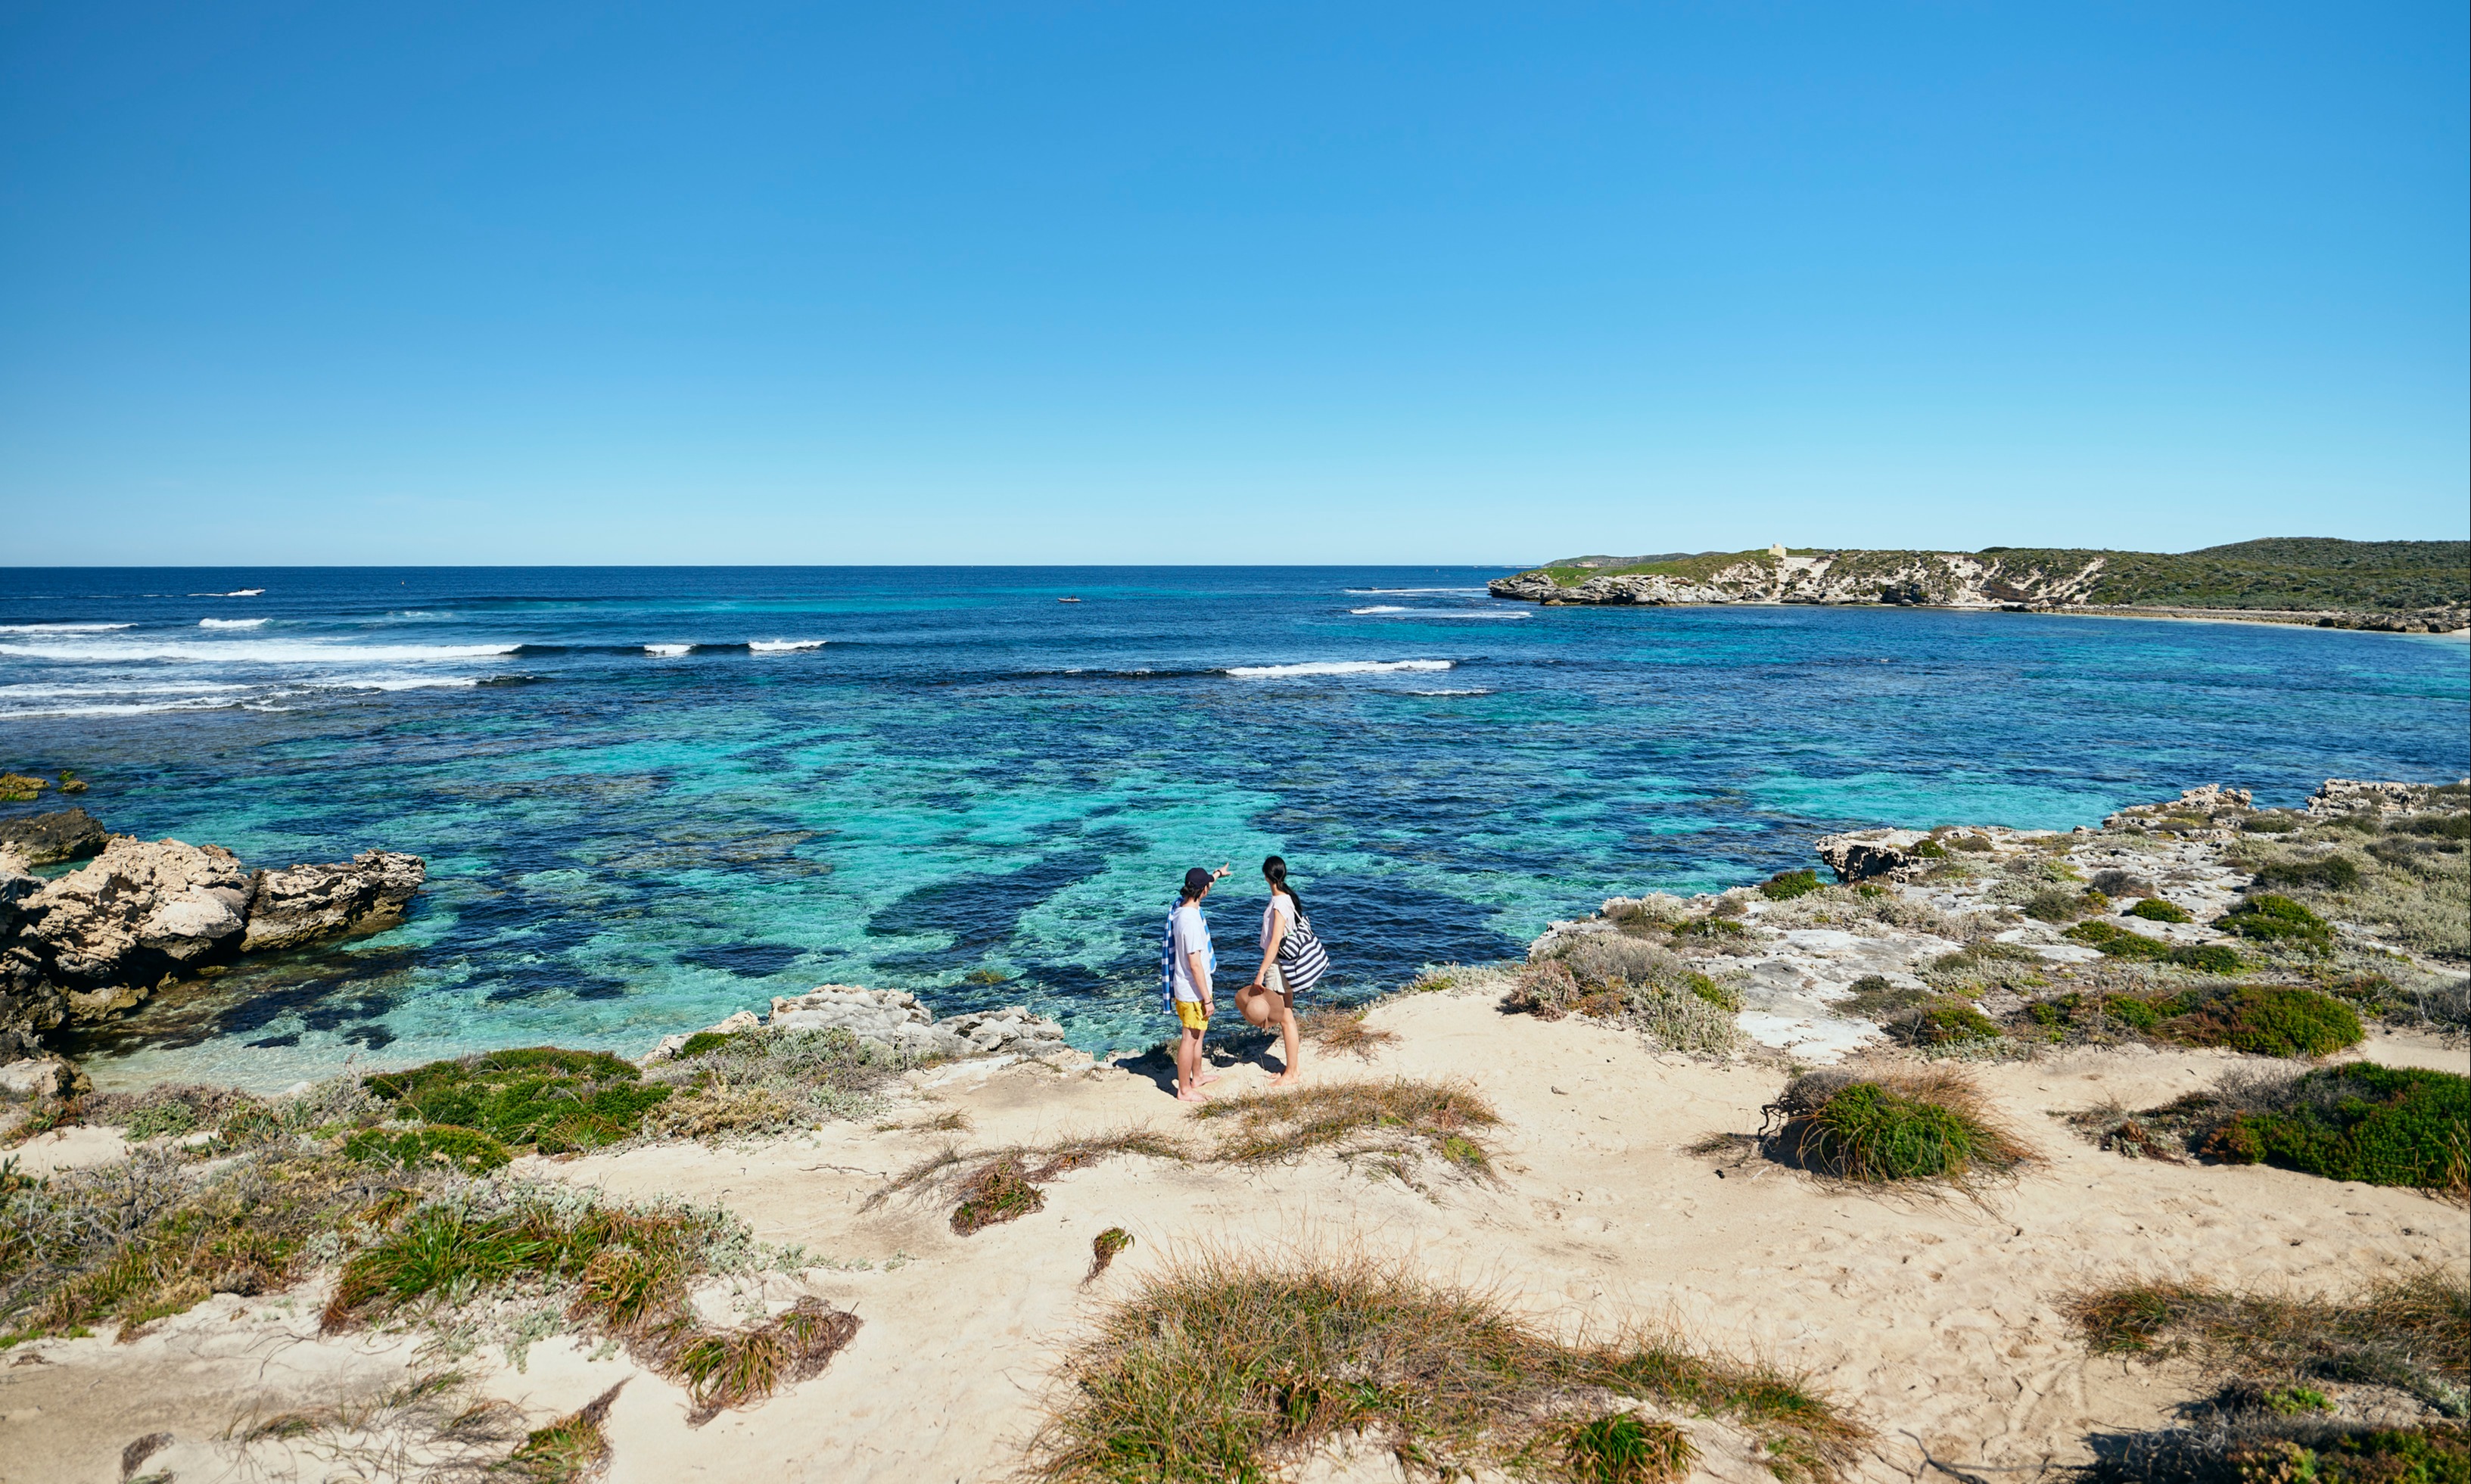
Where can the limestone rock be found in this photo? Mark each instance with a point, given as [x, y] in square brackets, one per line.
[896, 1020]
[30, 1003]
[37, 1077]
[2353, 796]
[41, 839]
[289, 907]
[1862, 855]
[17, 885]
[141, 910]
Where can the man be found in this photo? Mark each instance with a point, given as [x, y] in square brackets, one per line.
[1190, 961]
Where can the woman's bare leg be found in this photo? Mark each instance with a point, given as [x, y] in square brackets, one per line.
[1291, 1041]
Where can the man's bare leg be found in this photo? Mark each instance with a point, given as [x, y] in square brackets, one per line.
[1189, 1081]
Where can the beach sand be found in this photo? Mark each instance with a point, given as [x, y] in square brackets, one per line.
[1934, 1319]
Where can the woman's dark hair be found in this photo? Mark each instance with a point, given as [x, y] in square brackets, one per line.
[1276, 869]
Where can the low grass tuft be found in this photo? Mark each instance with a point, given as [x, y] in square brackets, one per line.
[1624, 1448]
[570, 1450]
[2155, 910]
[1003, 1185]
[1892, 1126]
[1105, 1248]
[1231, 1367]
[2273, 918]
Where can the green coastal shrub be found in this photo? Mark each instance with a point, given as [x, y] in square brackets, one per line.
[1785, 886]
[703, 1040]
[2275, 823]
[2379, 1125]
[2207, 958]
[464, 1149]
[2272, 918]
[2155, 909]
[2329, 873]
[1943, 1022]
[1930, 849]
[2059, 906]
[2264, 1019]
[557, 1100]
[2117, 942]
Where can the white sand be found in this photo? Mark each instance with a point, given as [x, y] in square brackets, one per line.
[1933, 1317]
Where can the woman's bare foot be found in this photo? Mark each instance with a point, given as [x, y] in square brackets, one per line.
[1206, 1079]
[1287, 1079]
[1193, 1095]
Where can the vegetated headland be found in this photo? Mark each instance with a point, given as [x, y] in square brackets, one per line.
[2395, 586]
[2133, 1152]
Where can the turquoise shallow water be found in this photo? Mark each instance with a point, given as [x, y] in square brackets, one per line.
[651, 797]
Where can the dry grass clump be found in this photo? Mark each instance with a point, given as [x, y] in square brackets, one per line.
[1003, 1185]
[1401, 1116]
[624, 1272]
[2411, 1332]
[151, 1236]
[1397, 1121]
[1617, 978]
[433, 1427]
[1104, 1248]
[1930, 1124]
[769, 1082]
[1867, 909]
[1343, 1030]
[1231, 1367]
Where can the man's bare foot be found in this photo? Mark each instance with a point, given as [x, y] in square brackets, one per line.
[1192, 1096]
[1287, 1079]
[1205, 1081]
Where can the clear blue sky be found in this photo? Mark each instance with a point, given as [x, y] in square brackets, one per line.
[514, 283]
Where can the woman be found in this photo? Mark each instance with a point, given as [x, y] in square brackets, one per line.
[1268, 994]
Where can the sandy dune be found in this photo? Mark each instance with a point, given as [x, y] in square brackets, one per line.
[1930, 1317]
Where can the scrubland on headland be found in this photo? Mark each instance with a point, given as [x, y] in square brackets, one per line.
[2137, 1152]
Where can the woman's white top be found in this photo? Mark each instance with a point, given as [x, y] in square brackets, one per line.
[1276, 919]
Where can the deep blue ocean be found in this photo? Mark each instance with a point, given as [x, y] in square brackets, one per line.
[648, 797]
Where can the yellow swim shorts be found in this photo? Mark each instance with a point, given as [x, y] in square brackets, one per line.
[1189, 1014]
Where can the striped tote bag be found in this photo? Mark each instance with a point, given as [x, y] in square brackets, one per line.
[1302, 960]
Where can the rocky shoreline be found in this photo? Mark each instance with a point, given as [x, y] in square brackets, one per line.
[1990, 582]
[141, 915]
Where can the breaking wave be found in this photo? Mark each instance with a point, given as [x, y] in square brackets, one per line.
[1335, 667]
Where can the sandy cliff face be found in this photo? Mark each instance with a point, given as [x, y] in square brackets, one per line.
[1937, 578]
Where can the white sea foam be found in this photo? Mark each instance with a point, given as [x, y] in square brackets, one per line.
[1384, 607]
[246, 592]
[110, 699]
[61, 628]
[229, 622]
[1416, 589]
[1474, 691]
[782, 645]
[250, 651]
[1334, 668]
[1446, 613]
[666, 650]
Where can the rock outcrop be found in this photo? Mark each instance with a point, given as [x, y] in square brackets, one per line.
[99, 939]
[1863, 855]
[63, 835]
[896, 1020]
[305, 902]
[1948, 580]
[142, 911]
[2351, 796]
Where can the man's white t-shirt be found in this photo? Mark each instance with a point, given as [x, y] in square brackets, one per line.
[1191, 935]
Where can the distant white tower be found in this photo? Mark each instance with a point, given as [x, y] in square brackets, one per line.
[1777, 550]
